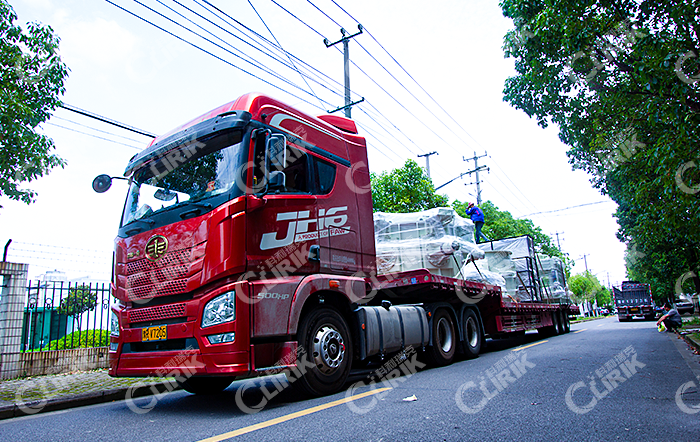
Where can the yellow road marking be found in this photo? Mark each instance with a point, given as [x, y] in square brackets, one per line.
[531, 345]
[291, 416]
[579, 331]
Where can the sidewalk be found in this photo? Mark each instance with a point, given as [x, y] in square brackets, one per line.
[26, 396]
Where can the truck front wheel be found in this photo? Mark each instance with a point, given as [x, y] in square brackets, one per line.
[471, 345]
[325, 343]
[444, 343]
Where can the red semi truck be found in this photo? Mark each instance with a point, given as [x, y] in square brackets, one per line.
[246, 243]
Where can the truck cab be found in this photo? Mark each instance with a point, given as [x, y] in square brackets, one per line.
[232, 222]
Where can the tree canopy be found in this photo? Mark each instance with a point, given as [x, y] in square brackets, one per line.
[79, 300]
[32, 76]
[403, 190]
[620, 79]
[586, 287]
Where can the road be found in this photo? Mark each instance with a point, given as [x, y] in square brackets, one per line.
[603, 381]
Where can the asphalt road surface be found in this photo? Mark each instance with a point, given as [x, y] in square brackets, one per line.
[604, 381]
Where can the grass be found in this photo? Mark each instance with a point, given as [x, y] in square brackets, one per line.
[691, 321]
[79, 339]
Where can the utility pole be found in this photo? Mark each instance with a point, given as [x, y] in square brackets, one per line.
[558, 244]
[585, 262]
[346, 60]
[427, 160]
[476, 170]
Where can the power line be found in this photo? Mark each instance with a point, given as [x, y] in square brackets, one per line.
[95, 129]
[105, 119]
[312, 70]
[268, 71]
[285, 52]
[92, 135]
[208, 52]
[567, 208]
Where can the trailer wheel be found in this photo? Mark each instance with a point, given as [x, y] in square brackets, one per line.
[556, 324]
[567, 321]
[324, 337]
[561, 326]
[205, 385]
[471, 344]
[444, 344]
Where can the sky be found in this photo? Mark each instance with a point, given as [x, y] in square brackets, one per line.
[127, 70]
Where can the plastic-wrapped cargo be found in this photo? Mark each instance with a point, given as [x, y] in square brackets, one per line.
[437, 239]
[553, 277]
[471, 273]
[529, 277]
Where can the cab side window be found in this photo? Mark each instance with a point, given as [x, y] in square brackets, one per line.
[325, 176]
[296, 171]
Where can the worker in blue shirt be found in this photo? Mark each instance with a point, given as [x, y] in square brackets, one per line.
[477, 217]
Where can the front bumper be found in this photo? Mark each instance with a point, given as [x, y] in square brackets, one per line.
[186, 348]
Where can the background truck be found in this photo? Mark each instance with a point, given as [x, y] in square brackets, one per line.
[247, 247]
[632, 299]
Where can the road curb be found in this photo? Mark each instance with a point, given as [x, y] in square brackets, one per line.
[692, 342]
[80, 400]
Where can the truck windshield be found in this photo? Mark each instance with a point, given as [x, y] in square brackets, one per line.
[196, 175]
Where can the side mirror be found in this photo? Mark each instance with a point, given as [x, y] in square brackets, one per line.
[102, 183]
[276, 152]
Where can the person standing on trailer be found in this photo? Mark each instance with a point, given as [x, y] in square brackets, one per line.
[477, 217]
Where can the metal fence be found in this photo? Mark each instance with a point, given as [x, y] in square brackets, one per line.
[61, 316]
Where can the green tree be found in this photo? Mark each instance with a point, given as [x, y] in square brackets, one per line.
[79, 300]
[404, 190]
[620, 80]
[586, 287]
[32, 77]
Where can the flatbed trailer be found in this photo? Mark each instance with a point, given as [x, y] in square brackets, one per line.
[498, 315]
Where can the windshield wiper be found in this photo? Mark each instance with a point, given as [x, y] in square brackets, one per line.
[198, 204]
[135, 230]
[197, 209]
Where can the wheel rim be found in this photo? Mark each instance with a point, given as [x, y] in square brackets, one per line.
[444, 335]
[472, 332]
[329, 349]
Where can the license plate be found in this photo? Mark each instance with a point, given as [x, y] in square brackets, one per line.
[159, 333]
[634, 310]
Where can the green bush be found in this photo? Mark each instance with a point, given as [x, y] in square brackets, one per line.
[80, 339]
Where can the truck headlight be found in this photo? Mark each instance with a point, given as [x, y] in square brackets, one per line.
[220, 309]
[114, 324]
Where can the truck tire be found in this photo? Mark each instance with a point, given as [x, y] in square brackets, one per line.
[443, 346]
[205, 385]
[556, 323]
[471, 344]
[567, 321]
[324, 338]
[561, 327]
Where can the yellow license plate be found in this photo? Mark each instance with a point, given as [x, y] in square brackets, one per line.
[634, 310]
[159, 333]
